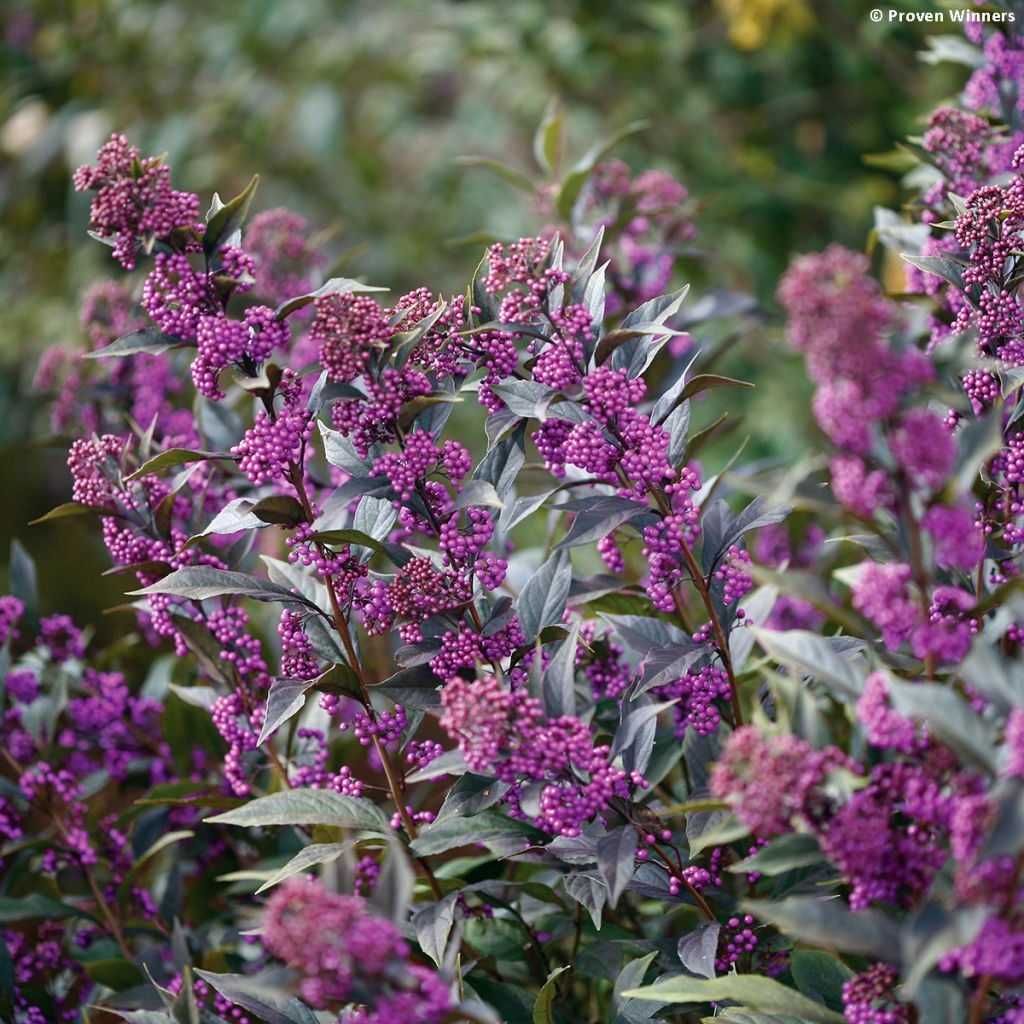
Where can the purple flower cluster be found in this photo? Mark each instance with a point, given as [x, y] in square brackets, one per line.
[135, 205]
[345, 954]
[504, 732]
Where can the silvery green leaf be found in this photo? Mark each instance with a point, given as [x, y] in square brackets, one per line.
[307, 807]
[542, 600]
[697, 949]
[433, 925]
[265, 998]
[501, 465]
[596, 517]
[794, 850]
[820, 975]
[616, 859]
[470, 795]
[950, 719]
[308, 857]
[486, 827]
[478, 493]
[201, 582]
[559, 687]
[814, 656]
[827, 921]
[758, 992]
[335, 286]
[341, 452]
[931, 932]
[588, 890]
[285, 699]
[145, 341]
[646, 634]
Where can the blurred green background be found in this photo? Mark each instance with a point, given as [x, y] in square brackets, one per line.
[356, 113]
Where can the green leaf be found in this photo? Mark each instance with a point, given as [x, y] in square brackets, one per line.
[513, 1002]
[165, 841]
[827, 921]
[115, 973]
[279, 510]
[812, 655]
[709, 381]
[287, 697]
[220, 225]
[572, 184]
[795, 850]
[68, 509]
[307, 807]
[940, 266]
[542, 1013]
[543, 598]
[201, 582]
[393, 552]
[308, 857]
[335, 286]
[23, 577]
[36, 904]
[547, 140]
[616, 860]
[485, 828]
[818, 973]
[176, 457]
[148, 341]
[760, 993]
[267, 1001]
[950, 719]
[503, 171]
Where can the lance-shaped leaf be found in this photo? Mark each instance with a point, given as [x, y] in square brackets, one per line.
[572, 184]
[266, 999]
[759, 993]
[697, 950]
[176, 457]
[201, 582]
[596, 517]
[616, 860]
[795, 850]
[543, 1008]
[828, 922]
[590, 891]
[482, 828]
[543, 598]
[308, 857]
[224, 219]
[559, 686]
[814, 656]
[433, 925]
[501, 465]
[146, 341]
[307, 807]
[646, 634]
[335, 286]
[666, 664]
[950, 719]
[286, 698]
